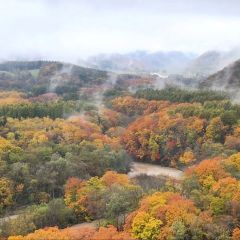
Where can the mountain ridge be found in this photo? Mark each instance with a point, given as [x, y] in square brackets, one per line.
[142, 61]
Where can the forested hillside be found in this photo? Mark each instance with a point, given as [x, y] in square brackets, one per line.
[64, 160]
[39, 77]
[210, 62]
[228, 78]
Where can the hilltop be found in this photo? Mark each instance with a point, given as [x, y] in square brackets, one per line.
[142, 61]
[226, 79]
[212, 61]
[45, 75]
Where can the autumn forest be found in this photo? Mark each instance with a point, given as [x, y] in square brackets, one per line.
[71, 136]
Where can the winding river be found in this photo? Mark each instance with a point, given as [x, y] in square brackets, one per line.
[154, 170]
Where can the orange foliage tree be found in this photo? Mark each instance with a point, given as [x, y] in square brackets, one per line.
[157, 214]
[236, 234]
[134, 106]
[51, 233]
[163, 137]
[91, 199]
[213, 186]
[83, 233]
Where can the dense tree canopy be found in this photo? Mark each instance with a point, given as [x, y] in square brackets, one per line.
[63, 161]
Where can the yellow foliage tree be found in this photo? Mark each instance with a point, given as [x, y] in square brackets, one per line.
[6, 193]
[145, 227]
[187, 157]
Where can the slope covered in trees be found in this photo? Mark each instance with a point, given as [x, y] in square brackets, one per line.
[204, 205]
[228, 78]
[42, 75]
[64, 160]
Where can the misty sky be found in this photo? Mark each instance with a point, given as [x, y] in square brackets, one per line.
[72, 29]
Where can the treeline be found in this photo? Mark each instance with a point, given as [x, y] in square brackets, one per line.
[52, 109]
[175, 94]
[228, 112]
[23, 65]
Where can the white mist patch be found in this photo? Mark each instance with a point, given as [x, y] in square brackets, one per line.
[60, 77]
[182, 81]
[108, 84]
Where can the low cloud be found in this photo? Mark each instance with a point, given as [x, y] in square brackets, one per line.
[70, 30]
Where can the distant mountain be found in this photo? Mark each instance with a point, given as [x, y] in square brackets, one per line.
[142, 61]
[226, 79]
[26, 75]
[64, 79]
[212, 61]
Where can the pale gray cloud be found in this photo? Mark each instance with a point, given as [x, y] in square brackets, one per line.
[72, 29]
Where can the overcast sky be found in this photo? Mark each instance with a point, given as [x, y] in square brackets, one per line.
[72, 29]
